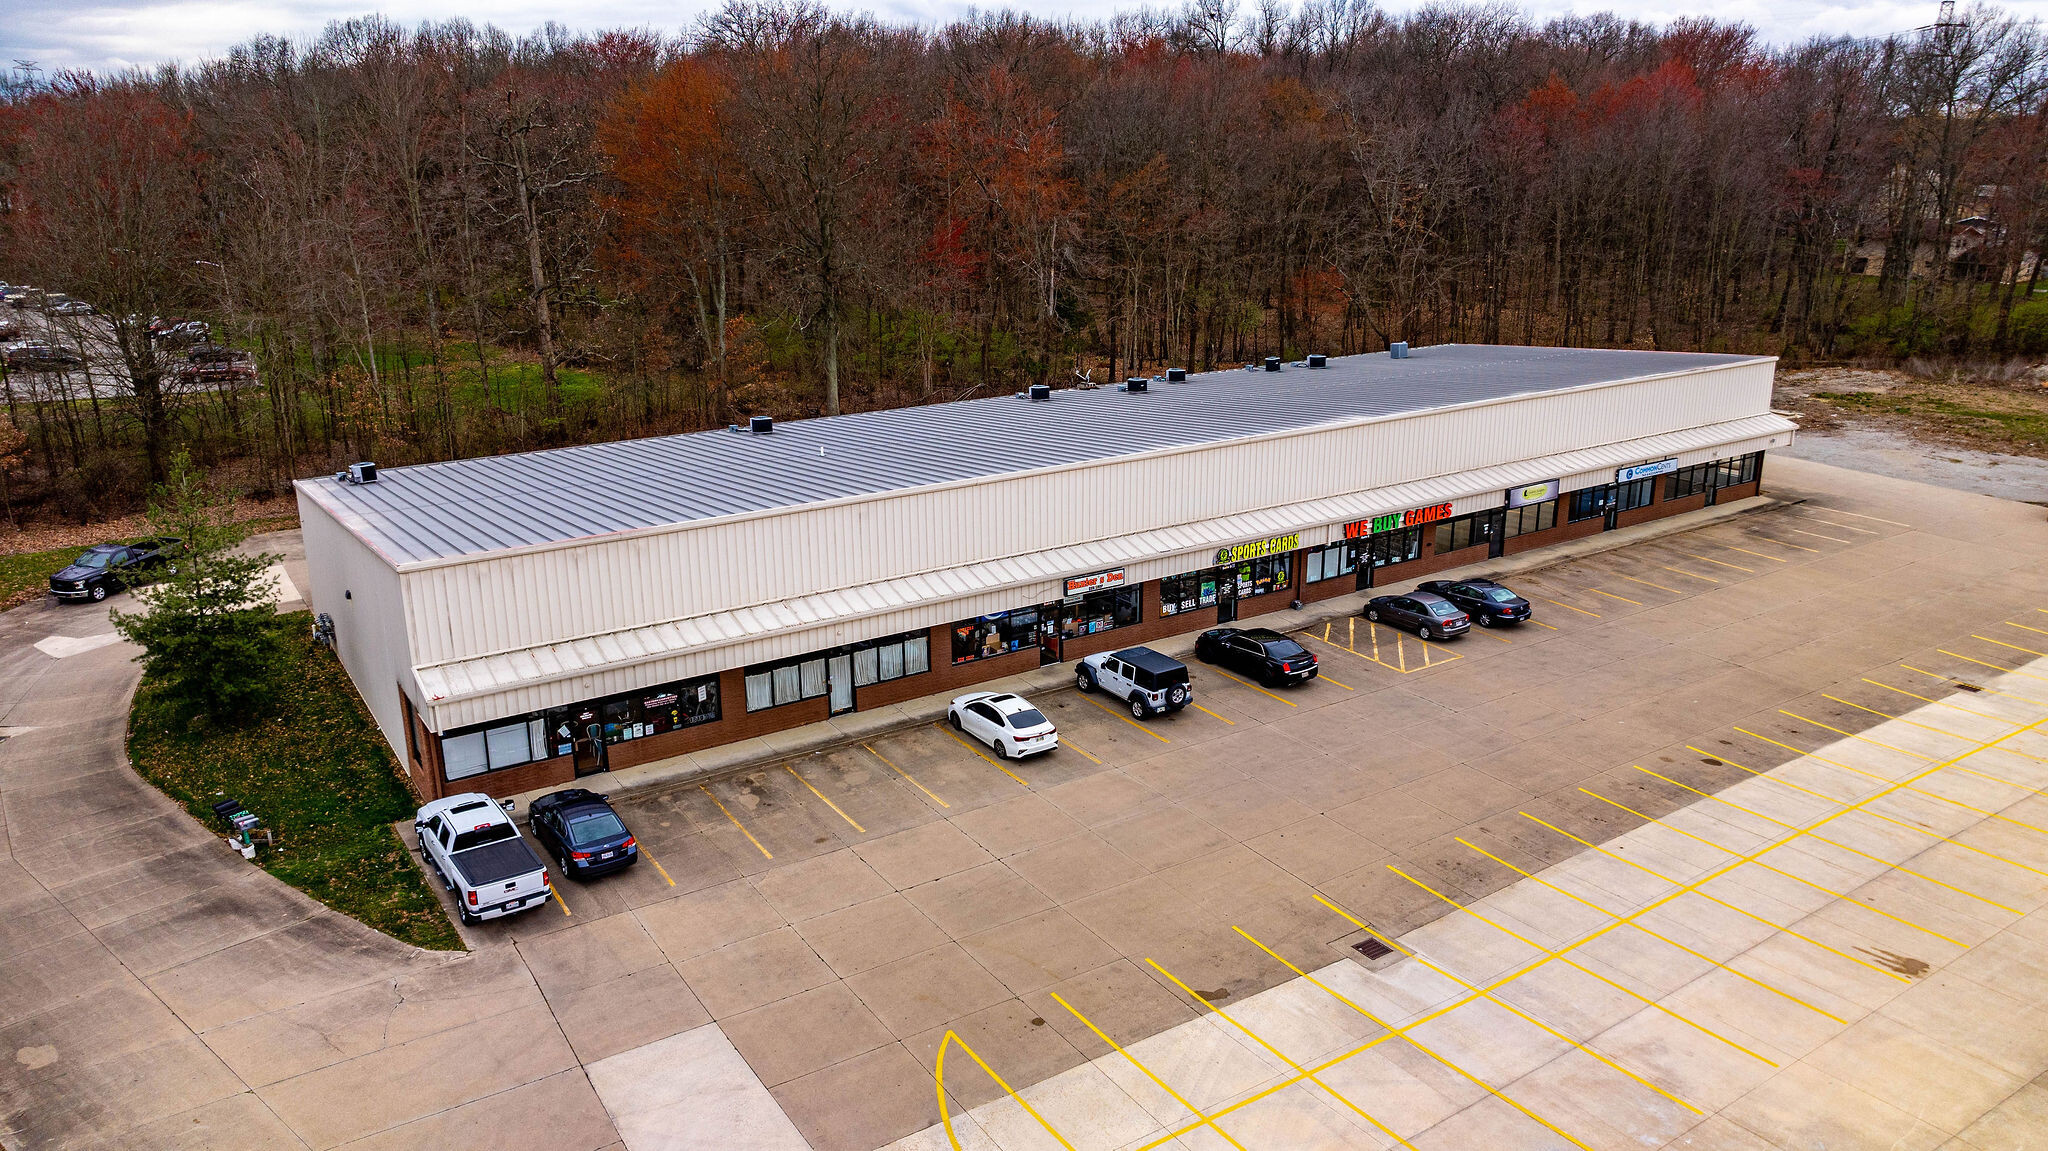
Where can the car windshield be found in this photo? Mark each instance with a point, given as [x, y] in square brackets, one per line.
[93, 559]
[1029, 717]
[1500, 595]
[595, 828]
[1284, 649]
[1442, 609]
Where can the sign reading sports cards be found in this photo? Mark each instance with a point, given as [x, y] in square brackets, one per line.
[1254, 550]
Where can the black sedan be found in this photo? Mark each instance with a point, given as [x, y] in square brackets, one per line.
[1487, 602]
[1258, 652]
[108, 568]
[1428, 615]
[582, 833]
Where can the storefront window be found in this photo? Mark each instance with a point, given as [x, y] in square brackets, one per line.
[998, 634]
[1692, 481]
[1638, 494]
[1460, 533]
[1740, 470]
[1100, 611]
[1531, 518]
[1590, 502]
[1187, 592]
[1396, 546]
[892, 658]
[634, 715]
[1331, 562]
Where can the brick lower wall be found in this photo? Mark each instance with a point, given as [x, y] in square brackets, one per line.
[737, 723]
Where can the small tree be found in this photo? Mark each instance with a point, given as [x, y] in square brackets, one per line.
[207, 632]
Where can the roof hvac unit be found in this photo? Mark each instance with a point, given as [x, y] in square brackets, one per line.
[1041, 391]
[1135, 384]
[1318, 360]
[1398, 351]
[1272, 363]
[1176, 375]
[760, 425]
[362, 473]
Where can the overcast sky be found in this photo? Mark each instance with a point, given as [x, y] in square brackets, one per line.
[112, 34]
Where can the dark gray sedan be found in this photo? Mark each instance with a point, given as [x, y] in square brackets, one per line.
[1427, 615]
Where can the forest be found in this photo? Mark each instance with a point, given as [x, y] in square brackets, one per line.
[447, 241]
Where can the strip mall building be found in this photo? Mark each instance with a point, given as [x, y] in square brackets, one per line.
[515, 621]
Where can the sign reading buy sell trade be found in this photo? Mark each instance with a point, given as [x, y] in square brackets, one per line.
[1394, 521]
[1254, 550]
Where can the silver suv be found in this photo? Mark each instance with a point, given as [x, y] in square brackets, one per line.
[1146, 680]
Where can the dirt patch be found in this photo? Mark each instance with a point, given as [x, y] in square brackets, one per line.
[259, 516]
[2006, 417]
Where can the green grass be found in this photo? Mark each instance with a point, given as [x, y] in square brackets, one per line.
[318, 773]
[2022, 426]
[26, 575]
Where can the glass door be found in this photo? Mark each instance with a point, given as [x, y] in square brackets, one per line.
[839, 681]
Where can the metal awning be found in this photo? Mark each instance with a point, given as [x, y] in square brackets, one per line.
[1035, 577]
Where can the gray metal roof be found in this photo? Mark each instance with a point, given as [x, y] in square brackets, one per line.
[468, 507]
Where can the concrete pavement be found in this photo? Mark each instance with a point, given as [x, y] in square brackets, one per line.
[159, 992]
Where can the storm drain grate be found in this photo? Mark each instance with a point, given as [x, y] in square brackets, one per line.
[1372, 948]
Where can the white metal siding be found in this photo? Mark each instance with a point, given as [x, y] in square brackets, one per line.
[369, 624]
[553, 593]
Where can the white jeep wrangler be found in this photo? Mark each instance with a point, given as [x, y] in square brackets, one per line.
[1146, 680]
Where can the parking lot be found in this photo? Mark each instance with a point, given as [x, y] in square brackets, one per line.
[845, 916]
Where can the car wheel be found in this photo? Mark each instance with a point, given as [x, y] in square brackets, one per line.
[1485, 621]
[99, 592]
[1082, 683]
[1373, 614]
[953, 717]
[468, 920]
[562, 865]
[996, 745]
[1423, 632]
[1138, 707]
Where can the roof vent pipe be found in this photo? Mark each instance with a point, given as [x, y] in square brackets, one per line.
[1176, 375]
[1318, 360]
[1041, 391]
[1398, 351]
[1135, 384]
[760, 425]
[1272, 363]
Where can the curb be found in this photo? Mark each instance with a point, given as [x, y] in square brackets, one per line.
[731, 759]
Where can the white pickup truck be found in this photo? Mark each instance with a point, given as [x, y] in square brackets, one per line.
[475, 848]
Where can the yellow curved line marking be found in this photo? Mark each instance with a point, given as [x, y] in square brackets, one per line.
[946, 1113]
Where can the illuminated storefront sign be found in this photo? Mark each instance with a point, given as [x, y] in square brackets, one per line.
[1394, 521]
[1251, 551]
[1532, 494]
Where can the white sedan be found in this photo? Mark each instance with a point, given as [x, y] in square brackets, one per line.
[1008, 724]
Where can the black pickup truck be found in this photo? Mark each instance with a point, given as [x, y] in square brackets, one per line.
[101, 571]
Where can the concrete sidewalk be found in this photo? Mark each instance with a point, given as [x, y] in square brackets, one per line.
[839, 731]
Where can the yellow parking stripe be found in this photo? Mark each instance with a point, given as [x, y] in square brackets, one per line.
[1127, 719]
[557, 893]
[1211, 714]
[1654, 934]
[1611, 595]
[1299, 1069]
[1689, 575]
[1844, 527]
[1719, 563]
[981, 753]
[1327, 679]
[765, 853]
[1878, 816]
[1819, 536]
[1147, 1071]
[1992, 666]
[1254, 687]
[1085, 753]
[1861, 516]
[1567, 607]
[657, 864]
[2024, 627]
[828, 803]
[1951, 680]
[1645, 583]
[913, 782]
[1541, 624]
[1759, 555]
[1580, 967]
[1790, 544]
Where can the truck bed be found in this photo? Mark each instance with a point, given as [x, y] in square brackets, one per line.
[495, 863]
